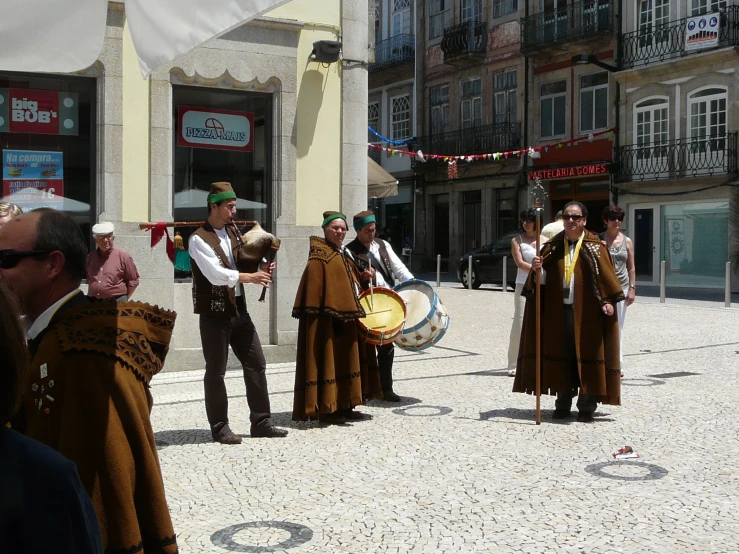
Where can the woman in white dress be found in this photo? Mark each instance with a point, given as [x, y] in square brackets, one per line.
[523, 249]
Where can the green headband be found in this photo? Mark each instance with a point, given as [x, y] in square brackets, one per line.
[330, 218]
[359, 223]
[221, 196]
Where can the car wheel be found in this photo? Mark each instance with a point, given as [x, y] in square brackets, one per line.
[475, 279]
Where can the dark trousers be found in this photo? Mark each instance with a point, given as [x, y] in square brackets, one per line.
[585, 402]
[385, 357]
[217, 333]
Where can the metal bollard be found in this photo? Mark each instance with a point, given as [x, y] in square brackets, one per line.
[505, 273]
[727, 291]
[662, 284]
[438, 270]
[469, 274]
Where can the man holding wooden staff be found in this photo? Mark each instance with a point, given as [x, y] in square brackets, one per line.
[218, 297]
[579, 331]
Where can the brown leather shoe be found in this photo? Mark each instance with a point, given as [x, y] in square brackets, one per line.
[226, 436]
[332, 419]
[271, 432]
[354, 415]
[390, 396]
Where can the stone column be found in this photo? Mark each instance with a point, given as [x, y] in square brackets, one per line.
[354, 24]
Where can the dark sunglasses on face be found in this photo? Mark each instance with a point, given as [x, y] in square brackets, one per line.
[10, 258]
[615, 217]
[573, 217]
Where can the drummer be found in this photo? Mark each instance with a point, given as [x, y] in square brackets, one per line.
[387, 271]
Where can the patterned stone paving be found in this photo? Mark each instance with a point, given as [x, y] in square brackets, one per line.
[460, 466]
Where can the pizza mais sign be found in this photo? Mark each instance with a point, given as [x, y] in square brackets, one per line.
[215, 129]
[564, 172]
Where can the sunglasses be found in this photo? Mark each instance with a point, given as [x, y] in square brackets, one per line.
[10, 258]
[615, 217]
[573, 217]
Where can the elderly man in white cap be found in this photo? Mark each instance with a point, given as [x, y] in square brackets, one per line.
[110, 271]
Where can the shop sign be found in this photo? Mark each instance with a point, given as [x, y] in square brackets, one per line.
[44, 112]
[702, 31]
[217, 129]
[564, 172]
[33, 176]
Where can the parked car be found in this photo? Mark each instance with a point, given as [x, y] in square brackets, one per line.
[487, 263]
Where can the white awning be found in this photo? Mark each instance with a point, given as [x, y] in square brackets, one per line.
[380, 184]
[62, 36]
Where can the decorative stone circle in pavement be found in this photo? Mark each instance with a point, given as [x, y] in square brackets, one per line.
[655, 471]
[442, 410]
[299, 534]
[649, 382]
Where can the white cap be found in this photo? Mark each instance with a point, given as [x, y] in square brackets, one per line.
[103, 228]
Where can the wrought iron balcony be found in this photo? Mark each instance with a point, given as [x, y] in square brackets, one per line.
[466, 40]
[674, 159]
[574, 20]
[395, 50]
[657, 43]
[487, 139]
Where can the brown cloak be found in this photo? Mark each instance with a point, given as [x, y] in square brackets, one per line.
[89, 399]
[335, 368]
[596, 335]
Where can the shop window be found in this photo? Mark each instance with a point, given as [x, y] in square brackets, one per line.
[553, 104]
[439, 100]
[48, 144]
[222, 136]
[506, 210]
[594, 101]
[439, 16]
[401, 117]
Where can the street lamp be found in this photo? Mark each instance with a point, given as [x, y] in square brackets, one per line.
[582, 59]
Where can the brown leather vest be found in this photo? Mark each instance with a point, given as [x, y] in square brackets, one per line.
[207, 298]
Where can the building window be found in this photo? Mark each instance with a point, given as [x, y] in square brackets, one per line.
[245, 164]
[378, 27]
[401, 117]
[50, 120]
[401, 17]
[439, 15]
[505, 200]
[439, 101]
[471, 104]
[471, 10]
[594, 101]
[707, 127]
[654, 17]
[504, 7]
[373, 120]
[504, 96]
[650, 122]
[553, 104]
[700, 7]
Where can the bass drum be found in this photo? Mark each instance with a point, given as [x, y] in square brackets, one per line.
[385, 311]
[427, 320]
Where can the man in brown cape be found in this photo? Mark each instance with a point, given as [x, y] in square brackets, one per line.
[336, 369]
[91, 364]
[579, 331]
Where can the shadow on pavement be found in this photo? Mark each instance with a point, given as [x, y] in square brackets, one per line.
[182, 436]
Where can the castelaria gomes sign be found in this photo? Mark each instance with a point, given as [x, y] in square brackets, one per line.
[563, 172]
[217, 129]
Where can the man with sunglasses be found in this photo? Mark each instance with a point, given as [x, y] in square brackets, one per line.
[580, 341]
[88, 394]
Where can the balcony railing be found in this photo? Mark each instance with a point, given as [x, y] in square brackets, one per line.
[660, 42]
[689, 157]
[395, 50]
[487, 139]
[571, 21]
[469, 39]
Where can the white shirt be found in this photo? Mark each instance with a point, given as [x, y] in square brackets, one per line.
[397, 267]
[571, 298]
[210, 264]
[42, 321]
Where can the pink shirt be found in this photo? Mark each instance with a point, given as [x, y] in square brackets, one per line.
[112, 276]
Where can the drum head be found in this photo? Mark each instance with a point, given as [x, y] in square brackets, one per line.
[385, 317]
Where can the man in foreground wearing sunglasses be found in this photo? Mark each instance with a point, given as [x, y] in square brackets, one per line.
[91, 364]
[580, 342]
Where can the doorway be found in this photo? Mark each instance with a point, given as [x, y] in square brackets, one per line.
[645, 237]
[441, 230]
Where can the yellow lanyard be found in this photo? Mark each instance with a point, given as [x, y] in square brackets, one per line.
[570, 265]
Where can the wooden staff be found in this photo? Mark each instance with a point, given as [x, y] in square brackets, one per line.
[538, 210]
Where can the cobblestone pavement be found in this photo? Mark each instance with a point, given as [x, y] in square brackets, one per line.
[461, 467]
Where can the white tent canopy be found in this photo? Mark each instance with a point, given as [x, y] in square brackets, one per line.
[62, 36]
[380, 184]
[30, 199]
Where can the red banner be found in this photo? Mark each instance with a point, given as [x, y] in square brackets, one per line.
[34, 111]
